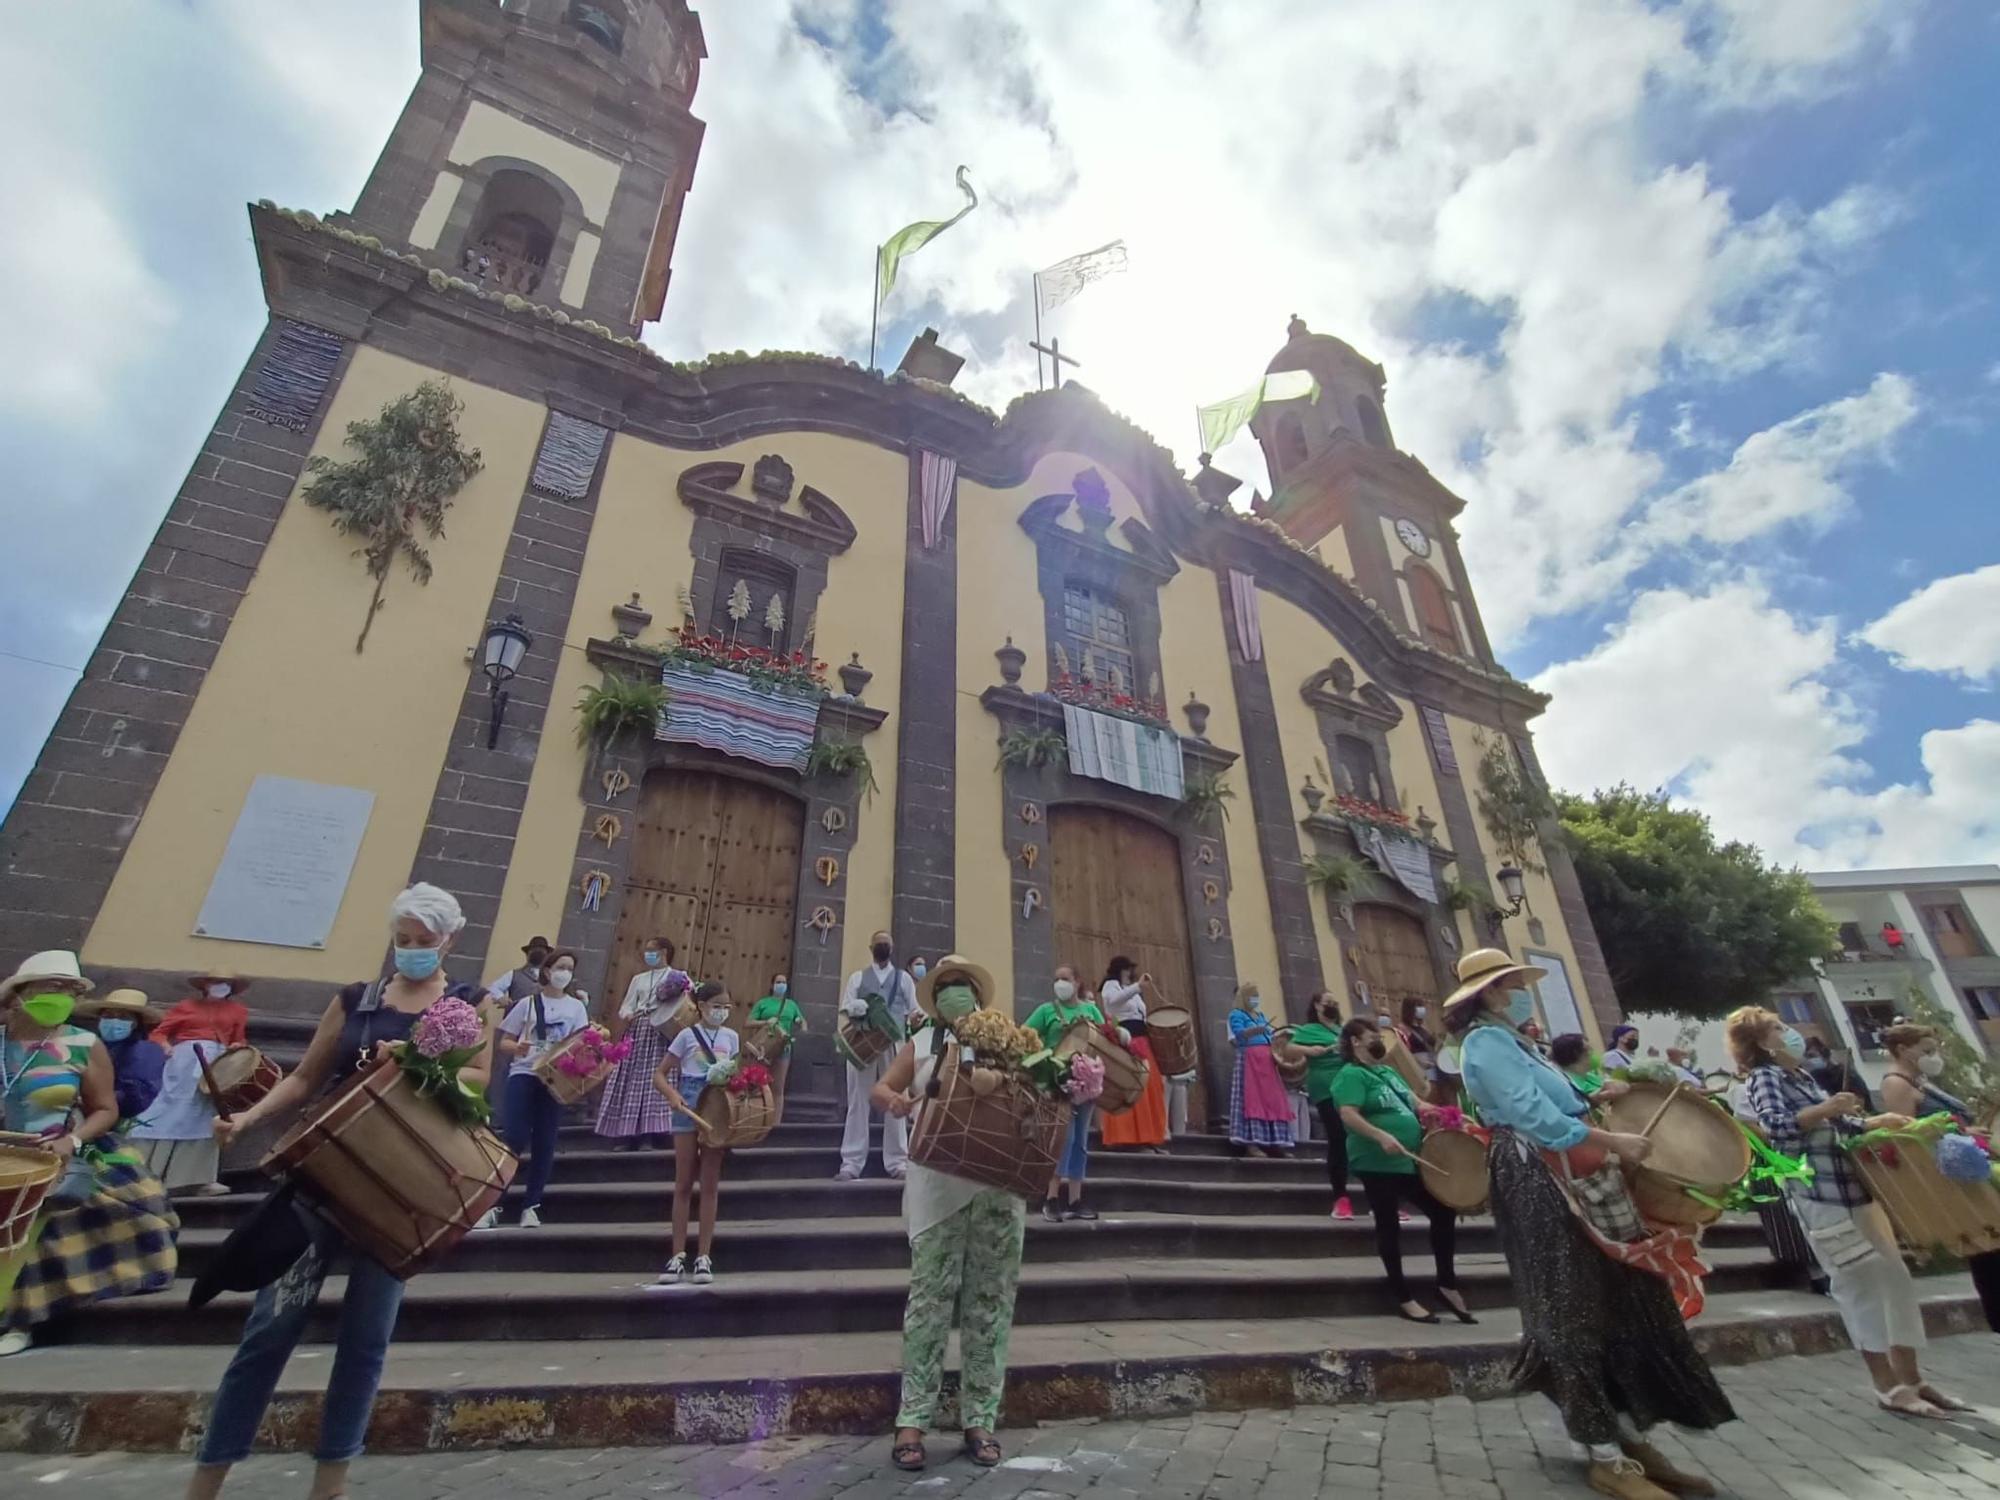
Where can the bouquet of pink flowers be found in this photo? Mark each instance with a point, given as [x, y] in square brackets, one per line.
[1442, 1117]
[594, 1051]
[450, 1025]
[445, 1039]
[1085, 1080]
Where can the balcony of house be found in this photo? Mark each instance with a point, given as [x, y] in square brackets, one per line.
[1887, 954]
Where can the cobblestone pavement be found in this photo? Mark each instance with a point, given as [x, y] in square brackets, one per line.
[1808, 1432]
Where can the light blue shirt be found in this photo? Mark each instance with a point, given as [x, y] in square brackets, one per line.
[1244, 1028]
[1515, 1086]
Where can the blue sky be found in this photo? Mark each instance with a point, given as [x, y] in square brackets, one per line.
[1692, 302]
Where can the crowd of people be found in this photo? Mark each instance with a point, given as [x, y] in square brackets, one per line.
[123, 1093]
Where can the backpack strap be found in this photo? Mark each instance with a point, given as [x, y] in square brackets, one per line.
[702, 1042]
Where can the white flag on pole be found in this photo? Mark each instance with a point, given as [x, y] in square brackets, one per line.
[1066, 278]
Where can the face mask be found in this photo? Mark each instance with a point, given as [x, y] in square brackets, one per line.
[1791, 1041]
[218, 992]
[1931, 1064]
[919, 969]
[1065, 991]
[1520, 1007]
[538, 958]
[48, 1010]
[652, 958]
[1251, 1002]
[560, 978]
[718, 1015]
[780, 988]
[956, 1001]
[1377, 1051]
[418, 963]
[115, 1028]
[1421, 1011]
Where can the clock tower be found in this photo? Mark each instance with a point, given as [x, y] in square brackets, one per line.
[1340, 485]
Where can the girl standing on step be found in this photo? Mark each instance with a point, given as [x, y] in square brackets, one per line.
[533, 1118]
[1052, 1018]
[965, 1245]
[632, 1113]
[1260, 1116]
[682, 1075]
[1145, 1123]
[1602, 1329]
[1319, 1040]
[1384, 1131]
[356, 1026]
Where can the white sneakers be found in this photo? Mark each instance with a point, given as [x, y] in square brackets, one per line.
[847, 1174]
[489, 1220]
[530, 1219]
[676, 1269]
[16, 1342]
[704, 1270]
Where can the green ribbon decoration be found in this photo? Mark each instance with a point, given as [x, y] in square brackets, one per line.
[1923, 1132]
[1770, 1170]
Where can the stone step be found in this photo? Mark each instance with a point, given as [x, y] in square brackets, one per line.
[614, 1305]
[646, 1391]
[816, 1246]
[797, 1132]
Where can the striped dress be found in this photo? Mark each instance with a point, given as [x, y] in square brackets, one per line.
[118, 1241]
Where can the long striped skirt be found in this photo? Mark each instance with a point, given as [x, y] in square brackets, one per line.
[630, 1104]
[118, 1242]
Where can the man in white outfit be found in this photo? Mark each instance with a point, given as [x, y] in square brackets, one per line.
[896, 991]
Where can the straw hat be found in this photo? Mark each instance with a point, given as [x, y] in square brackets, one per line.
[236, 982]
[1482, 967]
[127, 1000]
[955, 966]
[43, 968]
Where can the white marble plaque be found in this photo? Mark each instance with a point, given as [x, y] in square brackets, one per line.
[287, 864]
[1559, 1012]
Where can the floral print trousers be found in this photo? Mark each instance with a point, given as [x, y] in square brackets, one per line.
[970, 1263]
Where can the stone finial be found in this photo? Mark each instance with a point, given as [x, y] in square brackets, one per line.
[1012, 659]
[771, 479]
[631, 617]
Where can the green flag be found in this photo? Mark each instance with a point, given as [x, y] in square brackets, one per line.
[913, 237]
[1222, 421]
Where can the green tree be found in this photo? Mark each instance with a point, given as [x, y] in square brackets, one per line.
[1688, 926]
[394, 492]
[1969, 1076]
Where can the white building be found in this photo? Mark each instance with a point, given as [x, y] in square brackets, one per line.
[1936, 928]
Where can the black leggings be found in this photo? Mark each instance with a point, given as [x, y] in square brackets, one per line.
[1387, 1192]
[1336, 1146]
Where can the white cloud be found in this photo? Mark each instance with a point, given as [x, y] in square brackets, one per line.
[1788, 48]
[1950, 625]
[1733, 704]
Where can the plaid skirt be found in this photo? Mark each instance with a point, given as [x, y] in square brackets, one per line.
[631, 1105]
[119, 1242]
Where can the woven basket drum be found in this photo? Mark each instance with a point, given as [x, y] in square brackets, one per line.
[1008, 1137]
[1452, 1164]
[764, 1040]
[1929, 1210]
[1171, 1031]
[859, 1042]
[1696, 1145]
[1292, 1063]
[736, 1119]
[26, 1174]
[1124, 1071]
[570, 1087]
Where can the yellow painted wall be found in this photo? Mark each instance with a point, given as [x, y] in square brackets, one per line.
[640, 542]
[1541, 893]
[1335, 553]
[997, 598]
[576, 280]
[431, 218]
[288, 696]
[487, 131]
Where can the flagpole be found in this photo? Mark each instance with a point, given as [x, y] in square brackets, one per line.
[874, 306]
[1035, 281]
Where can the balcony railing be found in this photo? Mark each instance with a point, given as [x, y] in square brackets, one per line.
[501, 271]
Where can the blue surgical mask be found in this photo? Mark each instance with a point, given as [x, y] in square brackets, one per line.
[418, 963]
[1792, 1042]
[115, 1028]
[780, 988]
[1520, 1008]
[652, 958]
[919, 969]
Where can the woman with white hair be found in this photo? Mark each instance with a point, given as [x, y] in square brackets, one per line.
[362, 1019]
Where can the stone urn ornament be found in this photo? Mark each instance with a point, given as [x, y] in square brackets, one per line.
[1312, 794]
[1197, 716]
[1012, 659]
[631, 617]
[854, 677]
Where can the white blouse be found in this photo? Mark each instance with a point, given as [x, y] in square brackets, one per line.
[1124, 1002]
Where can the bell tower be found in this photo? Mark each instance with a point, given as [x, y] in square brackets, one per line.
[545, 151]
[1338, 483]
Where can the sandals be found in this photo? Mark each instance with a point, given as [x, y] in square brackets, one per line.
[909, 1457]
[982, 1450]
[1906, 1401]
[1943, 1402]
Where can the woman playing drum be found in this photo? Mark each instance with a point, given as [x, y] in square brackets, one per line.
[1602, 1337]
[175, 1129]
[106, 1229]
[361, 1020]
[1145, 1123]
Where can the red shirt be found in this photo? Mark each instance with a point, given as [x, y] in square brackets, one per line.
[204, 1020]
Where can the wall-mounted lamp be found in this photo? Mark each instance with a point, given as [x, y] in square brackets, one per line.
[507, 641]
[1513, 886]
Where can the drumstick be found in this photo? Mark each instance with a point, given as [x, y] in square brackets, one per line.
[1658, 1114]
[222, 1111]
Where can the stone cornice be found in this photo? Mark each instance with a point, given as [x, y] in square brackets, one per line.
[824, 526]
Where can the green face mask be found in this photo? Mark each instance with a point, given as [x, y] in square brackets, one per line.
[955, 1002]
[48, 1010]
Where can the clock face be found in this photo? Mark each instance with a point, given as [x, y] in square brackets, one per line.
[1412, 536]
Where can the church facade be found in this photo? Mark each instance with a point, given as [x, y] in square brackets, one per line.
[1077, 703]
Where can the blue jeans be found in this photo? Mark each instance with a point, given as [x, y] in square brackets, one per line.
[1076, 1153]
[533, 1117]
[277, 1320]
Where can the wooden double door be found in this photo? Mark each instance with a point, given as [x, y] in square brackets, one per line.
[716, 869]
[1116, 889]
[1395, 961]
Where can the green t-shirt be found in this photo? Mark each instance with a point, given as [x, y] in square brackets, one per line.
[782, 1009]
[1320, 1071]
[1385, 1102]
[1052, 1018]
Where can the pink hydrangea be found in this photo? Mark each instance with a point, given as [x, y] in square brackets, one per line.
[1086, 1078]
[447, 1026]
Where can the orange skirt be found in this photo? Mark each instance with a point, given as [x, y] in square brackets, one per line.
[1145, 1123]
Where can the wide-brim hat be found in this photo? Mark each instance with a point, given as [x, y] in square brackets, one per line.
[236, 982]
[1486, 966]
[955, 966]
[537, 942]
[131, 1001]
[40, 968]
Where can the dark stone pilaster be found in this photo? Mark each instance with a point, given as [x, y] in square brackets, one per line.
[68, 830]
[923, 917]
[1299, 971]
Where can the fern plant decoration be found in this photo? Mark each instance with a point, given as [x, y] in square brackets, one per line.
[619, 706]
[1031, 749]
[392, 495]
[842, 758]
[1338, 876]
[1202, 795]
